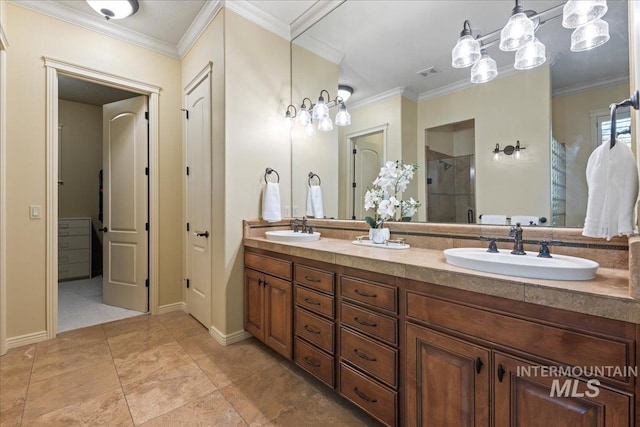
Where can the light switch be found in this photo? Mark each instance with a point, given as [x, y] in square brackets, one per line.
[287, 211]
[34, 211]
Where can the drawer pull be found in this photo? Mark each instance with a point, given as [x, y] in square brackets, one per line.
[311, 362]
[64, 244]
[63, 259]
[63, 225]
[310, 329]
[363, 396]
[365, 294]
[63, 233]
[501, 372]
[365, 323]
[260, 281]
[310, 301]
[311, 279]
[364, 356]
[478, 364]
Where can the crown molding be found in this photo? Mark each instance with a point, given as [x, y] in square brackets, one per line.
[570, 90]
[259, 17]
[199, 24]
[90, 22]
[399, 91]
[315, 13]
[321, 49]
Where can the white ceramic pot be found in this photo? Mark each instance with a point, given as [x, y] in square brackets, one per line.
[379, 235]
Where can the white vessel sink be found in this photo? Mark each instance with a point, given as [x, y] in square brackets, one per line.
[291, 236]
[560, 267]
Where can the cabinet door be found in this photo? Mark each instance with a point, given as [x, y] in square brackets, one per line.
[522, 398]
[278, 313]
[447, 381]
[254, 303]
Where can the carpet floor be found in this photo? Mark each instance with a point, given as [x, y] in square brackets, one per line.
[80, 304]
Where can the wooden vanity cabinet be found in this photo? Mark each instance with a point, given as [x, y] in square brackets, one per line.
[268, 301]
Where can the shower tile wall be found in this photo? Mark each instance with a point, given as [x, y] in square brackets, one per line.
[451, 189]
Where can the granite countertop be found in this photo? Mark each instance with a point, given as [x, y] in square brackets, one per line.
[607, 295]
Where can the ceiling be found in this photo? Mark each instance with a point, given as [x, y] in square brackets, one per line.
[380, 45]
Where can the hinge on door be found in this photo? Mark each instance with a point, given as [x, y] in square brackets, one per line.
[146, 115]
[187, 280]
[186, 112]
[146, 226]
[146, 171]
[353, 184]
[146, 282]
[354, 151]
[187, 170]
[188, 226]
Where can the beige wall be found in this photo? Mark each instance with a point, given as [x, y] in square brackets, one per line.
[573, 126]
[81, 160]
[317, 153]
[505, 110]
[31, 39]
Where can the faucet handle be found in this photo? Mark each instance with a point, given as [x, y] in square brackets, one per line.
[544, 248]
[493, 248]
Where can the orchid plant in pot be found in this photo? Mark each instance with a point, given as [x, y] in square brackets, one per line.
[385, 200]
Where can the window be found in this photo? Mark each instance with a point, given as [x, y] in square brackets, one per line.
[623, 127]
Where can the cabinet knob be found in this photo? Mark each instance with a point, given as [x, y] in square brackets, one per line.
[501, 372]
[478, 365]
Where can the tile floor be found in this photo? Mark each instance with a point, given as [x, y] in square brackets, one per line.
[161, 371]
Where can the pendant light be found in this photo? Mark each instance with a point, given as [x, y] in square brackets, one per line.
[114, 9]
[467, 49]
[518, 31]
[531, 55]
[589, 36]
[485, 69]
[579, 12]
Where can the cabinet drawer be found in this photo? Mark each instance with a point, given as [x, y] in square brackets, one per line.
[374, 294]
[73, 242]
[373, 398]
[73, 232]
[314, 278]
[383, 327]
[376, 359]
[315, 330]
[65, 224]
[314, 301]
[72, 256]
[315, 362]
[267, 264]
[70, 271]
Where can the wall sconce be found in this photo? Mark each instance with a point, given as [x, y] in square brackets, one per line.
[518, 35]
[320, 112]
[509, 150]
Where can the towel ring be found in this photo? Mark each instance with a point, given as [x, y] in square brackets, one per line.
[268, 172]
[634, 102]
[311, 176]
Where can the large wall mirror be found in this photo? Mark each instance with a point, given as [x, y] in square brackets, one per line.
[410, 104]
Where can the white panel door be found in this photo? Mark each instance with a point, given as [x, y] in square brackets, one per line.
[125, 204]
[368, 159]
[199, 234]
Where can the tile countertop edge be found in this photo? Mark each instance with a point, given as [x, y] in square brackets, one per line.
[428, 265]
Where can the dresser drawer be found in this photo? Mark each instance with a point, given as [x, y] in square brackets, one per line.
[267, 264]
[315, 362]
[69, 223]
[73, 232]
[314, 329]
[73, 242]
[314, 278]
[373, 398]
[70, 271]
[377, 325]
[73, 255]
[376, 359]
[314, 301]
[374, 294]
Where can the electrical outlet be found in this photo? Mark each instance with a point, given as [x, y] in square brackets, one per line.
[287, 211]
[34, 211]
[295, 211]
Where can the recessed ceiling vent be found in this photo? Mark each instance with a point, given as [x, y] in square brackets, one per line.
[428, 72]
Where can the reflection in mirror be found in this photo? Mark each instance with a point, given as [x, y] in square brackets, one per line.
[404, 83]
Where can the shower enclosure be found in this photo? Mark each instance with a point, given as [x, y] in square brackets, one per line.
[451, 189]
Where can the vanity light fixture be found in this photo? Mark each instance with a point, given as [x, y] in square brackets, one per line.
[519, 35]
[485, 69]
[319, 112]
[114, 9]
[509, 150]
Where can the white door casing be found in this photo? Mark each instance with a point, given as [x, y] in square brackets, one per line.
[199, 233]
[125, 200]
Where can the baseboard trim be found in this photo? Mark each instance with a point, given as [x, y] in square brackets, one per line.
[228, 339]
[27, 339]
[176, 306]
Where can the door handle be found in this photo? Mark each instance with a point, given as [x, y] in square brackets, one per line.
[202, 234]
[103, 229]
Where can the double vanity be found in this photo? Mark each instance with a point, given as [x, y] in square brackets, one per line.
[413, 340]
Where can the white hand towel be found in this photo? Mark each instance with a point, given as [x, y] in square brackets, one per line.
[493, 219]
[525, 220]
[612, 178]
[271, 202]
[314, 202]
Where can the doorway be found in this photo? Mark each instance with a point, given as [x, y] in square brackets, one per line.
[54, 68]
[88, 153]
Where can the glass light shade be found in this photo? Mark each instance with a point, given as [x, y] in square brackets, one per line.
[484, 70]
[518, 32]
[497, 156]
[325, 124]
[589, 36]
[320, 110]
[343, 118]
[288, 121]
[518, 154]
[303, 117]
[530, 55]
[308, 128]
[466, 52]
[114, 9]
[579, 12]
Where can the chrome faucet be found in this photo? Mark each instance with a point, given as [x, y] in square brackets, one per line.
[516, 233]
